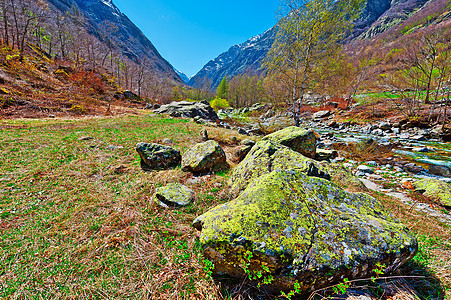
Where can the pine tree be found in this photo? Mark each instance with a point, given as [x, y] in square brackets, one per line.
[223, 89]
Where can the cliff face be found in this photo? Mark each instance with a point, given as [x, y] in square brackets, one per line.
[378, 16]
[131, 41]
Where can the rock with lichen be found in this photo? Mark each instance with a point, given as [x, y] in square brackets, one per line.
[299, 140]
[435, 189]
[173, 195]
[293, 230]
[267, 156]
[155, 156]
[205, 157]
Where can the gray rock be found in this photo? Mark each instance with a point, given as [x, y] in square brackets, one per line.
[439, 170]
[173, 195]
[423, 150]
[248, 142]
[365, 169]
[384, 126]
[418, 137]
[413, 168]
[404, 136]
[186, 109]
[321, 114]
[154, 156]
[372, 163]
[168, 141]
[205, 157]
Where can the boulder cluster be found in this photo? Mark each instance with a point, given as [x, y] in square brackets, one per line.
[290, 225]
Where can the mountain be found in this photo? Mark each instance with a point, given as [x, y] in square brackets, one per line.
[130, 40]
[377, 17]
[182, 75]
[239, 59]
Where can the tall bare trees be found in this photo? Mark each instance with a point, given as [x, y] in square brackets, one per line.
[310, 31]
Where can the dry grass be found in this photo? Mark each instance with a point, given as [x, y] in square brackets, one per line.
[77, 219]
[364, 151]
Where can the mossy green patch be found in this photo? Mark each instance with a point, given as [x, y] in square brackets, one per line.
[297, 139]
[305, 226]
[435, 189]
[267, 156]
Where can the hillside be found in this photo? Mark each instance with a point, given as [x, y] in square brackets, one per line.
[378, 16]
[128, 38]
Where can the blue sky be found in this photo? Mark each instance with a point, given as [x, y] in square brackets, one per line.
[190, 33]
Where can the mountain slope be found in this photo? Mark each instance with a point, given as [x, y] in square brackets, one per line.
[239, 59]
[130, 40]
[377, 17]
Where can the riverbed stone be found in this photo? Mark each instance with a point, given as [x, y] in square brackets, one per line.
[435, 189]
[321, 114]
[173, 195]
[267, 156]
[205, 157]
[365, 169]
[155, 156]
[304, 230]
[298, 139]
[439, 170]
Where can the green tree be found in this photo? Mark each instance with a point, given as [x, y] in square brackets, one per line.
[309, 32]
[223, 89]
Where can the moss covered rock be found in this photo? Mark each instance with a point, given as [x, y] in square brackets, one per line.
[173, 195]
[294, 229]
[435, 189]
[299, 140]
[154, 156]
[267, 156]
[204, 157]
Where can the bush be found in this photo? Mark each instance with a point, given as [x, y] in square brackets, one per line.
[218, 103]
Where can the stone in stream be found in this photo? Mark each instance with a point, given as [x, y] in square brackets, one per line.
[321, 114]
[304, 230]
[173, 195]
[300, 140]
[205, 157]
[365, 169]
[435, 189]
[155, 156]
[439, 170]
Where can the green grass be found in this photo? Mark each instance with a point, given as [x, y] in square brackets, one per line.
[70, 227]
[73, 226]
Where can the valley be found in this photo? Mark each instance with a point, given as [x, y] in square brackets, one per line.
[312, 161]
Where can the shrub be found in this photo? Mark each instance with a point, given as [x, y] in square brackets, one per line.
[218, 103]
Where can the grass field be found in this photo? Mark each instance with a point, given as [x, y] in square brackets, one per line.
[77, 219]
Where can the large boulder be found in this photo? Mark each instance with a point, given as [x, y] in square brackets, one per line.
[292, 229]
[155, 156]
[204, 157]
[435, 189]
[300, 140]
[173, 195]
[267, 156]
[187, 109]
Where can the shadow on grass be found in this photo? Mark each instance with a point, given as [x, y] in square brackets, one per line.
[412, 281]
